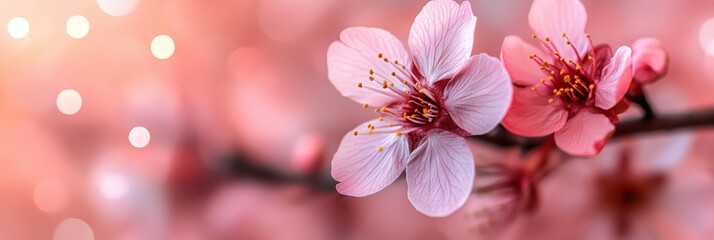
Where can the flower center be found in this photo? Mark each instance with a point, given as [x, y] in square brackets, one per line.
[570, 80]
[414, 106]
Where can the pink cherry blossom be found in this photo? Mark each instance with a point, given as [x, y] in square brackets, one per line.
[649, 60]
[427, 97]
[566, 85]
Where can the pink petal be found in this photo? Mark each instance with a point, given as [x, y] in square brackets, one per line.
[441, 38]
[515, 55]
[585, 134]
[551, 18]
[531, 115]
[440, 174]
[350, 59]
[363, 170]
[615, 80]
[478, 97]
[649, 60]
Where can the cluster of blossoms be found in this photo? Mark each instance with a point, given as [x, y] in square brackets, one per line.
[433, 93]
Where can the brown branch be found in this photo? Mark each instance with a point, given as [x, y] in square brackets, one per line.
[666, 122]
[239, 166]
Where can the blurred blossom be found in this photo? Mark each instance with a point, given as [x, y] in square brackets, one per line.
[506, 188]
[308, 153]
[636, 192]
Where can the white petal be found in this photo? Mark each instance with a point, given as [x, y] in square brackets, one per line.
[440, 174]
[361, 169]
[478, 97]
[349, 62]
[441, 38]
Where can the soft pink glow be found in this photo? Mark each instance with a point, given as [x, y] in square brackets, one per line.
[51, 195]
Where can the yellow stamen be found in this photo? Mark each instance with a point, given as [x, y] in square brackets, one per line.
[550, 100]
[379, 55]
[365, 105]
[380, 148]
[359, 84]
[355, 133]
[398, 133]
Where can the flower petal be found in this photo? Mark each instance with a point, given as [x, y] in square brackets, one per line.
[515, 55]
[585, 134]
[551, 18]
[649, 60]
[615, 79]
[349, 62]
[478, 97]
[440, 174]
[441, 38]
[363, 170]
[531, 115]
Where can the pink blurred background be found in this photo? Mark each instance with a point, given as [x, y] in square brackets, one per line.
[237, 80]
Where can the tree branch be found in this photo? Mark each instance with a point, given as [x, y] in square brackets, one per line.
[661, 122]
[666, 122]
[239, 166]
